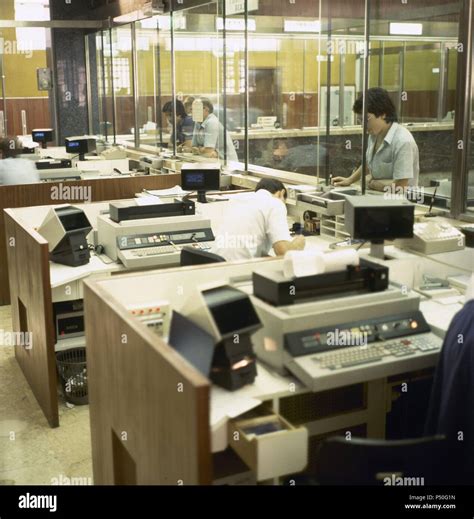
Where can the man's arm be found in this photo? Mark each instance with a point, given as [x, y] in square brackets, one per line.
[282, 247]
[278, 233]
[380, 185]
[342, 181]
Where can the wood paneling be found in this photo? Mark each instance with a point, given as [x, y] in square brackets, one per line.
[37, 114]
[32, 312]
[40, 194]
[149, 408]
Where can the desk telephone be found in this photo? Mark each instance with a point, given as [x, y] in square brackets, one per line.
[435, 238]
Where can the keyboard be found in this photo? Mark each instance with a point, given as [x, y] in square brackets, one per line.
[359, 355]
[154, 251]
[155, 256]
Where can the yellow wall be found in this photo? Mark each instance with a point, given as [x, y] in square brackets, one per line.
[196, 72]
[20, 69]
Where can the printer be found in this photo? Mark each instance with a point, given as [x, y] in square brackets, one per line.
[348, 325]
[153, 235]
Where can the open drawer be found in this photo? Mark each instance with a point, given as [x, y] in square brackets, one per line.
[270, 445]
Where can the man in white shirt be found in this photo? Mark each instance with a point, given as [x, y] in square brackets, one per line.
[15, 171]
[254, 223]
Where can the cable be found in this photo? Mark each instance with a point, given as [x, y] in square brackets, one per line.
[362, 244]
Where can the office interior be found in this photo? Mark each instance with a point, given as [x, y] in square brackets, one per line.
[130, 353]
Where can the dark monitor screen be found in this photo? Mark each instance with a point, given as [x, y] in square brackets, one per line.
[231, 309]
[73, 219]
[200, 179]
[42, 135]
[192, 342]
[80, 145]
[384, 223]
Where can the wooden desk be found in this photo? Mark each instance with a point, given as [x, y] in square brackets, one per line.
[139, 393]
[29, 281]
[40, 194]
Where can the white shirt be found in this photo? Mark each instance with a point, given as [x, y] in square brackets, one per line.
[251, 224]
[18, 171]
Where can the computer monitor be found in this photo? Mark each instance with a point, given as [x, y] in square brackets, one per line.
[376, 219]
[192, 342]
[80, 146]
[201, 180]
[232, 310]
[194, 256]
[66, 229]
[43, 136]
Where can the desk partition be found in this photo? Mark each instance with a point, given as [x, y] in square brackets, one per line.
[32, 311]
[27, 195]
[149, 407]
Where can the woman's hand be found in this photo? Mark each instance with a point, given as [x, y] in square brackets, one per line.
[341, 181]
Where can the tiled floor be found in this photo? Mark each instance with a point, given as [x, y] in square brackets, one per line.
[30, 451]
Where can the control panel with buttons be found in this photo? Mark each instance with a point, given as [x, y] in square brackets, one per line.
[155, 315]
[319, 340]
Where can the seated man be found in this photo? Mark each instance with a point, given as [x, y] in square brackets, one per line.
[13, 170]
[451, 410]
[254, 223]
[184, 124]
[208, 137]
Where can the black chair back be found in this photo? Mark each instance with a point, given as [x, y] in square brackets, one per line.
[360, 461]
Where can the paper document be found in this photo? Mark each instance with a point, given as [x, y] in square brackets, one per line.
[148, 200]
[176, 190]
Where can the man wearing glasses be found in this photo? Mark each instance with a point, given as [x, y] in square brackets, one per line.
[392, 153]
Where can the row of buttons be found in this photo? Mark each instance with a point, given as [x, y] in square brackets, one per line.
[364, 354]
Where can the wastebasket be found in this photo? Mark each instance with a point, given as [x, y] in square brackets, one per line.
[72, 370]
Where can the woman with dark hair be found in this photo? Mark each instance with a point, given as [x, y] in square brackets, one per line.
[392, 153]
[184, 123]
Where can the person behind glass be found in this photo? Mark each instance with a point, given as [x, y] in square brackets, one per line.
[208, 137]
[188, 104]
[392, 153]
[14, 170]
[184, 124]
[292, 155]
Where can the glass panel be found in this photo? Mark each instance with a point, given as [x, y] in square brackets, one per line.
[94, 49]
[342, 61]
[470, 187]
[147, 63]
[421, 90]
[197, 65]
[164, 84]
[232, 72]
[27, 104]
[418, 70]
[122, 81]
[283, 82]
[106, 98]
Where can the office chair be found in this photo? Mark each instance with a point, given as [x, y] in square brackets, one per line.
[192, 256]
[363, 461]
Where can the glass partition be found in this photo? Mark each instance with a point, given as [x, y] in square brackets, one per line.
[281, 80]
[122, 83]
[105, 78]
[147, 80]
[417, 64]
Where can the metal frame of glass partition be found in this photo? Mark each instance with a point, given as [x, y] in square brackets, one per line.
[462, 124]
